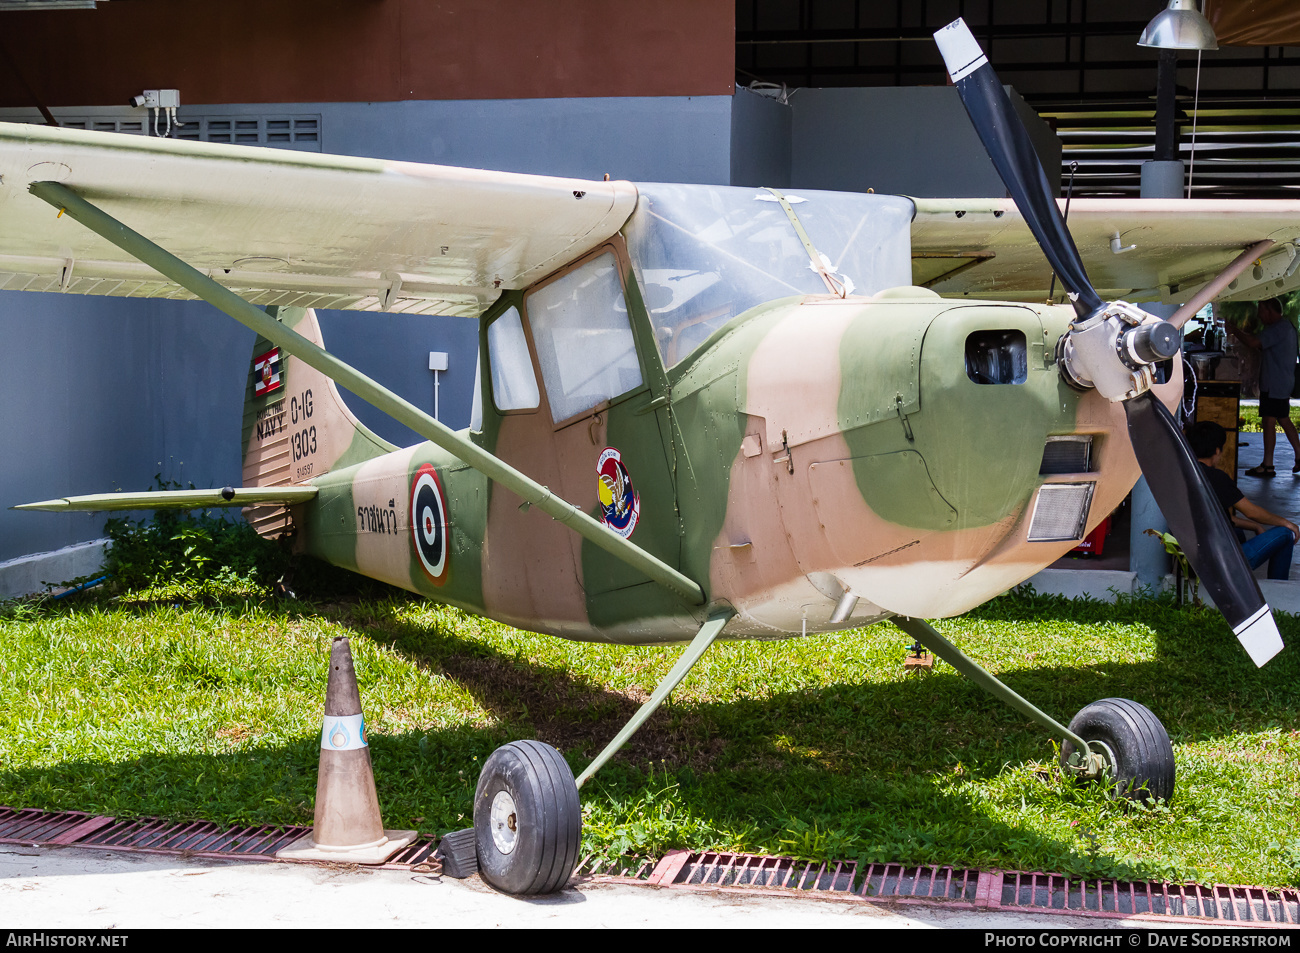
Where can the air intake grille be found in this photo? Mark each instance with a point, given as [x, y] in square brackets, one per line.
[1060, 512]
[1071, 454]
[290, 132]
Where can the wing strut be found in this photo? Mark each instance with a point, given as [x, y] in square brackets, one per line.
[531, 492]
[1217, 284]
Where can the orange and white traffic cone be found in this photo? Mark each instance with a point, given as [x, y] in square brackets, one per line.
[348, 826]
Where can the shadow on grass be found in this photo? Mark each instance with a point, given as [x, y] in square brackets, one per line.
[872, 818]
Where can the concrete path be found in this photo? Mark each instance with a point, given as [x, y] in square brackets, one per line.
[67, 888]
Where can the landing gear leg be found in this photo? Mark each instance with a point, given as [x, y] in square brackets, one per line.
[527, 817]
[1114, 737]
[702, 641]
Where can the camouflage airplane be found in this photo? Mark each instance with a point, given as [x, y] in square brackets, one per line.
[704, 412]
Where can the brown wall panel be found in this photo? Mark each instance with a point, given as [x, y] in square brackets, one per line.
[255, 51]
[1255, 22]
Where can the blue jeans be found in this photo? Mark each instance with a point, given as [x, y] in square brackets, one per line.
[1275, 546]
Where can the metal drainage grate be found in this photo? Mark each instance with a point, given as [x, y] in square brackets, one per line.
[46, 827]
[156, 836]
[1218, 902]
[412, 855]
[197, 838]
[875, 881]
[988, 889]
[628, 867]
[889, 881]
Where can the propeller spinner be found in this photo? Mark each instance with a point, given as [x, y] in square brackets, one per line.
[1114, 347]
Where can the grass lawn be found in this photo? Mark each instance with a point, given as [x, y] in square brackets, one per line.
[202, 702]
[1249, 418]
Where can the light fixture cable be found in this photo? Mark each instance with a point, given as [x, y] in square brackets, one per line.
[1196, 115]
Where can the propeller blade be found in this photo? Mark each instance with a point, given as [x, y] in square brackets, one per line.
[1199, 523]
[1012, 152]
[1172, 471]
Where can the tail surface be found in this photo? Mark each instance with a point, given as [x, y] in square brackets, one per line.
[296, 426]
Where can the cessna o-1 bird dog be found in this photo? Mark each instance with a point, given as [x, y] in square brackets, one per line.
[704, 412]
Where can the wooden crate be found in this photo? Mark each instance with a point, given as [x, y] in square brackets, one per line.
[1220, 401]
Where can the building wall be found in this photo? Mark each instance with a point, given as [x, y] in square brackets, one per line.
[254, 51]
[102, 394]
[761, 140]
[904, 140]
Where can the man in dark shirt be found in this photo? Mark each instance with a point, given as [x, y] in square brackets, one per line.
[1274, 545]
[1276, 343]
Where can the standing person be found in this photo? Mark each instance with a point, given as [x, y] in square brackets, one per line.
[1275, 545]
[1244, 315]
[1276, 343]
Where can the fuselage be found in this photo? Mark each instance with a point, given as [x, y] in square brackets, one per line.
[813, 460]
[875, 456]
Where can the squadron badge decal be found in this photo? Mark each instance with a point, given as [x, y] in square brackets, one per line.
[429, 523]
[620, 504]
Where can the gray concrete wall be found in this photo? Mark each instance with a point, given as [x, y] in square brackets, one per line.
[102, 394]
[394, 350]
[676, 139]
[906, 140]
[760, 140]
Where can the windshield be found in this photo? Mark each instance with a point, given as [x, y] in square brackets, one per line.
[704, 254]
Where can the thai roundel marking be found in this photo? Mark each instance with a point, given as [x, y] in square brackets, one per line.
[620, 504]
[429, 523]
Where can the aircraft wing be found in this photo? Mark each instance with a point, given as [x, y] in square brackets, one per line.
[982, 248]
[292, 228]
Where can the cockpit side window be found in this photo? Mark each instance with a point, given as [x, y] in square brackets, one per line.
[583, 336]
[514, 385]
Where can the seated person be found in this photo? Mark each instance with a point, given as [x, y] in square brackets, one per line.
[1274, 545]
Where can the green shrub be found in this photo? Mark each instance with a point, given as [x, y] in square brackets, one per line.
[208, 553]
[191, 547]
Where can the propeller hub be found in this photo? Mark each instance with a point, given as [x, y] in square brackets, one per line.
[1149, 343]
[1115, 350]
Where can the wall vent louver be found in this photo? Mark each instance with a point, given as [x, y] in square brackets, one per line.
[300, 132]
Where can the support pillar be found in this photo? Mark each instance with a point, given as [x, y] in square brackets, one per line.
[1162, 178]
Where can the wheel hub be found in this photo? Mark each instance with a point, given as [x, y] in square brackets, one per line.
[1096, 763]
[1101, 760]
[504, 822]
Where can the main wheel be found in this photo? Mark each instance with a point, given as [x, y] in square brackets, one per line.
[1135, 743]
[527, 819]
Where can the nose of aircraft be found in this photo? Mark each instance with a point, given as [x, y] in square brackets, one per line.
[898, 446]
[948, 412]
[975, 407]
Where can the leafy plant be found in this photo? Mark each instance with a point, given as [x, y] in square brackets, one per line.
[191, 547]
[1185, 580]
[205, 553]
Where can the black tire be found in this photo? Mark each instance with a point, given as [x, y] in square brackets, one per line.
[1143, 756]
[533, 788]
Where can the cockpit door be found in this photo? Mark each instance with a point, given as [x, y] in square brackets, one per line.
[609, 447]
